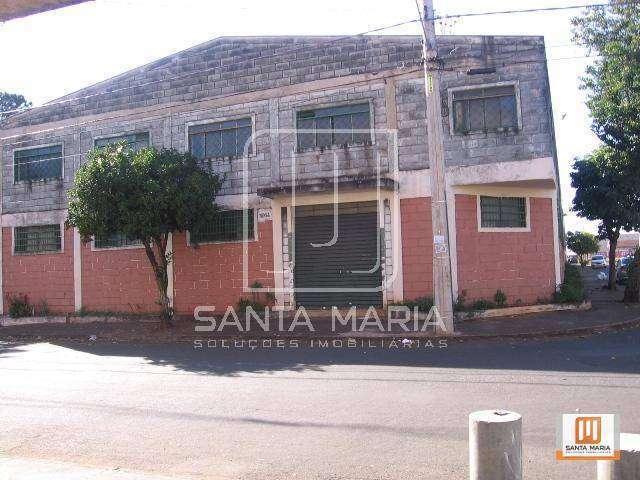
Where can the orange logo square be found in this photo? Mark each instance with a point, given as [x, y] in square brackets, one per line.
[588, 430]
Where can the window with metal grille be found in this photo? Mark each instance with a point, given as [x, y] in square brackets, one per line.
[227, 226]
[503, 212]
[221, 139]
[37, 239]
[135, 141]
[39, 163]
[341, 125]
[115, 240]
[487, 109]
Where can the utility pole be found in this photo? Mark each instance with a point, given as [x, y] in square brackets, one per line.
[443, 295]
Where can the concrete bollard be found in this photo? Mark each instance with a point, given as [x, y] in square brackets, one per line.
[628, 467]
[495, 445]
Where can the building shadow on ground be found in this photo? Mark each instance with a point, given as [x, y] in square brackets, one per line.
[611, 353]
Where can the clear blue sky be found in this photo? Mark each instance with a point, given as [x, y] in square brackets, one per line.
[47, 55]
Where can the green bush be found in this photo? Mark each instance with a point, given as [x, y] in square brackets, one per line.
[19, 306]
[500, 298]
[482, 304]
[572, 289]
[424, 304]
[460, 305]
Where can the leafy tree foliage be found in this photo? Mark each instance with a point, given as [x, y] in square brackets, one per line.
[582, 244]
[607, 193]
[11, 101]
[145, 196]
[612, 34]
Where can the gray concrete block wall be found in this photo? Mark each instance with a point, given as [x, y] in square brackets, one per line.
[518, 59]
[314, 164]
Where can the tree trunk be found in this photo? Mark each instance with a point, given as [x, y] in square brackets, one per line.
[160, 270]
[613, 243]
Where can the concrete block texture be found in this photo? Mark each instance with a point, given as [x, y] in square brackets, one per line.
[234, 71]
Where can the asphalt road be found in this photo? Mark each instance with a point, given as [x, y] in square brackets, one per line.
[134, 412]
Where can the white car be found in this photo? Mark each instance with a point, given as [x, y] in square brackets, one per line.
[598, 261]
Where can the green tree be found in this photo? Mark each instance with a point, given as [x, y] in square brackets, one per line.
[606, 192]
[612, 35]
[582, 244]
[10, 102]
[145, 196]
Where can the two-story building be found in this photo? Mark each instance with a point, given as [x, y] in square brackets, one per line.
[323, 143]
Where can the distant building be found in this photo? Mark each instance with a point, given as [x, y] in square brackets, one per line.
[627, 245]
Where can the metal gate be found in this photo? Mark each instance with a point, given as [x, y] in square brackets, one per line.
[331, 259]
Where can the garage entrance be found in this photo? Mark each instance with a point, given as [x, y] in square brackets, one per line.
[332, 259]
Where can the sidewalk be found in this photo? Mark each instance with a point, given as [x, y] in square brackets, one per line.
[603, 316]
[607, 313]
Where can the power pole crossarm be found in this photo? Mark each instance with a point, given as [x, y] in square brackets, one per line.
[442, 289]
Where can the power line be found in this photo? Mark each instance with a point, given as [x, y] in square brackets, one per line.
[527, 10]
[304, 48]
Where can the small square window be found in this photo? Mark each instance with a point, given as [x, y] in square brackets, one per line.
[503, 212]
[487, 109]
[39, 163]
[227, 139]
[38, 239]
[115, 240]
[228, 226]
[135, 141]
[341, 125]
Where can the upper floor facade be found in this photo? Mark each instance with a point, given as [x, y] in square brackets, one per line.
[271, 111]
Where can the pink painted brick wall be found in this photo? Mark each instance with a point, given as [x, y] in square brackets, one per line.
[212, 274]
[44, 276]
[521, 264]
[118, 280]
[417, 247]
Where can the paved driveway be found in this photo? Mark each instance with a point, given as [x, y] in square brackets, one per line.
[142, 412]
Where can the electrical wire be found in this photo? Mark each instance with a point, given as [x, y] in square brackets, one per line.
[528, 10]
[305, 48]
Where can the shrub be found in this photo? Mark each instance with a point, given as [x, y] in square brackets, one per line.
[43, 308]
[19, 306]
[460, 304]
[482, 304]
[243, 303]
[424, 304]
[571, 289]
[500, 298]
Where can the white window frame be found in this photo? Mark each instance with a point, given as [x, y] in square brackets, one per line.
[248, 240]
[313, 106]
[516, 87]
[504, 229]
[27, 254]
[230, 118]
[52, 179]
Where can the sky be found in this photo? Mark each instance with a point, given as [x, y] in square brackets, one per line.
[47, 55]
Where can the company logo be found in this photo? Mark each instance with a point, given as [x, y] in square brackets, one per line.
[588, 437]
[588, 430]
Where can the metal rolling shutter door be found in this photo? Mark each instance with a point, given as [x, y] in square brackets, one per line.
[352, 262]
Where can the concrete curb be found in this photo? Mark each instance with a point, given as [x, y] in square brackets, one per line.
[346, 335]
[516, 312]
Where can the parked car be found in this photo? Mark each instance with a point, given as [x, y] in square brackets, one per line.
[598, 261]
[622, 270]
